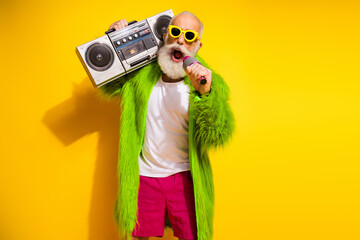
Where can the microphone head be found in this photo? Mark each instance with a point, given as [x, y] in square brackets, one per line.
[187, 61]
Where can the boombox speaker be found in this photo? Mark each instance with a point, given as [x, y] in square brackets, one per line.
[119, 52]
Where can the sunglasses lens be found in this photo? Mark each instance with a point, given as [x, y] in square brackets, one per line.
[176, 32]
[189, 35]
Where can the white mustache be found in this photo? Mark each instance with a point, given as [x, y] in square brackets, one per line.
[182, 48]
[177, 46]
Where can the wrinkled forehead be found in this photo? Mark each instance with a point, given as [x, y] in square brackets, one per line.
[187, 22]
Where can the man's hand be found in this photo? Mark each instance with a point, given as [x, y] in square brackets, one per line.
[194, 72]
[119, 24]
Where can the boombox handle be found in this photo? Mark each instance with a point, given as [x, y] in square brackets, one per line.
[113, 29]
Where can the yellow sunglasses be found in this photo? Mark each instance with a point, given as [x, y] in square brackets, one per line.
[189, 35]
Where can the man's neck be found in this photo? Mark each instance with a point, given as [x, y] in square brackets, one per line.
[165, 78]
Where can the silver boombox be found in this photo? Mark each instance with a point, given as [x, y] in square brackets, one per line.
[119, 52]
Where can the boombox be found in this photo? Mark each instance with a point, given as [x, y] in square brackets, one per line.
[120, 52]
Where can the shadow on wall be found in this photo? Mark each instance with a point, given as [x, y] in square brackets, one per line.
[86, 113]
[83, 114]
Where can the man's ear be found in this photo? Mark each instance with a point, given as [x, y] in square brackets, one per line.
[164, 35]
[200, 45]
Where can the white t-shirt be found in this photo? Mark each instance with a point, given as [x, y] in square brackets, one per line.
[166, 144]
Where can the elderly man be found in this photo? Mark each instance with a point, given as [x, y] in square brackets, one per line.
[169, 121]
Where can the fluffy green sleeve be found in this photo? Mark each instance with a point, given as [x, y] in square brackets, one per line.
[214, 120]
[140, 78]
[114, 88]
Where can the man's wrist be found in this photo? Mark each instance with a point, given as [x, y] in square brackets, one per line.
[201, 95]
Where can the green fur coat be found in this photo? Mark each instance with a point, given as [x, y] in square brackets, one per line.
[211, 124]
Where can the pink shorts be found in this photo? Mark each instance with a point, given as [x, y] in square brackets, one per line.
[172, 195]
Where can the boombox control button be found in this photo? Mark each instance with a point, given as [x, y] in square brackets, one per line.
[136, 35]
[130, 38]
[118, 43]
[124, 40]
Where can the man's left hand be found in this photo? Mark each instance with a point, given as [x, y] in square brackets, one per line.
[194, 72]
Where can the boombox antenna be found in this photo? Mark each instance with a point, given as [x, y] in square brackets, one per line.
[113, 29]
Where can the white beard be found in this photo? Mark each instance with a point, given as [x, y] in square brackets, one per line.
[174, 70]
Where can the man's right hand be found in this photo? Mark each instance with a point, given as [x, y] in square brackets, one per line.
[119, 24]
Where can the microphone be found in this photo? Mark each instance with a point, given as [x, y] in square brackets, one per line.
[188, 61]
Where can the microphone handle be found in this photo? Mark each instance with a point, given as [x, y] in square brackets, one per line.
[202, 79]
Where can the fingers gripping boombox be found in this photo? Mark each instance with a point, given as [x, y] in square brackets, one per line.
[125, 50]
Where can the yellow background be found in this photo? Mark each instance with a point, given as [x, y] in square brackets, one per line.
[291, 171]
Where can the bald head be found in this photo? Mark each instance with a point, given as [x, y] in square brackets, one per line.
[190, 19]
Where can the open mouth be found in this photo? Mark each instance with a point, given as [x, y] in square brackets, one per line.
[177, 55]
